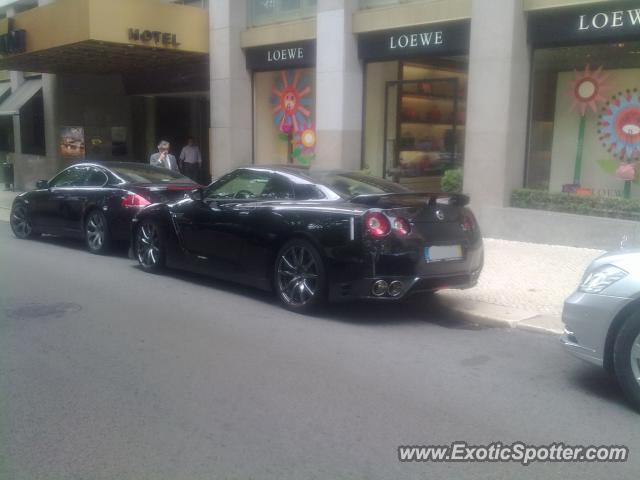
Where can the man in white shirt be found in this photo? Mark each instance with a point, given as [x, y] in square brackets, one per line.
[190, 160]
[163, 158]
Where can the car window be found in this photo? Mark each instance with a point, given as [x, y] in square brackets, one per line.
[243, 184]
[71, 177]
[96, 178]
[278, 188]
[352, 184]
[307, 191]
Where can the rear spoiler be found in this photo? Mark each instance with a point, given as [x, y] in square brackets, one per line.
[453, 199]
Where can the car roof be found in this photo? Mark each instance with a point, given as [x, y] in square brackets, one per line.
[111, 164]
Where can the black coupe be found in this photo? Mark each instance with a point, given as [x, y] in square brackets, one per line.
[314, 236]
[95, 201]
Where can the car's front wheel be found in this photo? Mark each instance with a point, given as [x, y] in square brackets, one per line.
[149, 247]
[96, 232]
[626, 358]
[299, 277]
[20, 221]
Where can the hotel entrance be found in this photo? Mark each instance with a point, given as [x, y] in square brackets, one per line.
[119, 78]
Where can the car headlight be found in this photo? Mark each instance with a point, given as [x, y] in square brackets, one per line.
[601, 278]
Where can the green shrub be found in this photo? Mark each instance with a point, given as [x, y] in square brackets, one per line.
[452, 181]
[625, 208]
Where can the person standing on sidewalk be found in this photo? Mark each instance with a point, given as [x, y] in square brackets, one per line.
[190, 160]
[163, 158]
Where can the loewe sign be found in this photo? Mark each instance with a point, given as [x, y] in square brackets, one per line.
[294, 55]
[416, 40]
[615, 19]
[441, 39]
[620, 21]
[153, 36]
[284, 54]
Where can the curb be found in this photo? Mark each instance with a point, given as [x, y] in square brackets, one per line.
[498, 316]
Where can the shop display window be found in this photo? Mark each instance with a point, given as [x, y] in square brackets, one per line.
[414, 120]
[584, 135]
[284, 117]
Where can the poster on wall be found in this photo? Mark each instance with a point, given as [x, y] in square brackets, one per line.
[118, 141]
[291, 103]
[72, 142]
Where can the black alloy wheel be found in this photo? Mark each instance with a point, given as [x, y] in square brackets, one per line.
[626, 358]
[149, 247]
[300, 276]
[96, 232]
[20, 222]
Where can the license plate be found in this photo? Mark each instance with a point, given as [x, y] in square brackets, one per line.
[442, 253]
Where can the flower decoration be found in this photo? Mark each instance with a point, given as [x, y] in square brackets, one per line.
[589, 88]
[619, 125]
[304, 143]
[290, 107]
[307, 137]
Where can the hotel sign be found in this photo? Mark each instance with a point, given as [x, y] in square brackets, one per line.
[153, 37]
[438, 39]
[606, 22]
[289, 55]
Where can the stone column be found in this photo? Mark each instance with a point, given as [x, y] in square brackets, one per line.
[16, 79]
[339, 87]
[497, 103]
[231, 129]
[49, 98]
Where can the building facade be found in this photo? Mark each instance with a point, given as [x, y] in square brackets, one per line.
[532, 103]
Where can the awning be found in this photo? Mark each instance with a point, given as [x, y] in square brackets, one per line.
[114, 36]
[17, 99]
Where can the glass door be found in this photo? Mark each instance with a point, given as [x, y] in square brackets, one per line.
[423, 131]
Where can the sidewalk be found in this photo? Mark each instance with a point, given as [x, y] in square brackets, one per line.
[6, 198]
[522, 285]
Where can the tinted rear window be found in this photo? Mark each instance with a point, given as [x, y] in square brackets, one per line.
[352, 184]
[148, 174]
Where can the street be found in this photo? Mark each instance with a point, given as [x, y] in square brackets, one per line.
[107, 372]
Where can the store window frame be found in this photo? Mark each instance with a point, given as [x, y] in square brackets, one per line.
[563, 28]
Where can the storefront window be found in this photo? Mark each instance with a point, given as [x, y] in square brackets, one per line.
[414, 120]
[584, 135]
[284, 117]
[264, 12]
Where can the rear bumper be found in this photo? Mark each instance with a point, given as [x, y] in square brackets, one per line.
[414, 278]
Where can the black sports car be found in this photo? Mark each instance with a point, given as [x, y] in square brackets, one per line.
[314, 236]
[95, 201]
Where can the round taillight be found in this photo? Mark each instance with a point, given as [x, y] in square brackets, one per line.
[377, 224]
[468, 223]
[401, 226]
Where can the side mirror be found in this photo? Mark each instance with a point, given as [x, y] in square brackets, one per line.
[42, 184]
[197, 194]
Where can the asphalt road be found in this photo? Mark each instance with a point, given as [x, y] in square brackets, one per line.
[110, 373]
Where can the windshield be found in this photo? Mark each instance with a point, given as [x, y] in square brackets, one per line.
[148, 174]
[353, 184]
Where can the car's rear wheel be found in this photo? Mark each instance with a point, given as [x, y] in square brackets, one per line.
[20, 221]
[149, 247]
[626, 358]
[299, 277]
[96, 232]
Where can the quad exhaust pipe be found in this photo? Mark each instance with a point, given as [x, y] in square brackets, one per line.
[381, 288]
